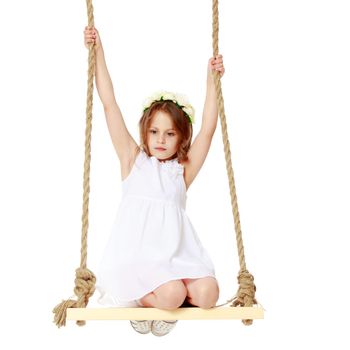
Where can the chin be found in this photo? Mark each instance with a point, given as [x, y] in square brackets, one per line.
[164, 155]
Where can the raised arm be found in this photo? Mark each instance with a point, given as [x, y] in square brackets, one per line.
[103, 80]
[201, 144]
[210, 111]
[123, 142]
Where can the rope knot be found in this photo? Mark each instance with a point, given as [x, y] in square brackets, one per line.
[84, 285]
[84, 288]
[246, 292]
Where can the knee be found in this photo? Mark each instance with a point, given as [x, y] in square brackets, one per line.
[172, 296]
[207, 296]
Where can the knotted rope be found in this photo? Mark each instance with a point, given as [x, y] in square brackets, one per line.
[246, 291]
[85, 280]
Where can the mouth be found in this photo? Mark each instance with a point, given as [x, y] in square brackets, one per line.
[160, 149]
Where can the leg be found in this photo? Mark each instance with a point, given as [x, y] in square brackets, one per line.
[202, 292]
[168, 296]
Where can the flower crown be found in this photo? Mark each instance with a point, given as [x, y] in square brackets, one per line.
[179, 99]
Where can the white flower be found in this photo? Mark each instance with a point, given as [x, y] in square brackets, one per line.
[157, 95]
[169, 96]
[190, 111]
[180, 99]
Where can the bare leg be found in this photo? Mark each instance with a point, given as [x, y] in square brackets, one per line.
[149, 300]
[202, 292]
[168, 296]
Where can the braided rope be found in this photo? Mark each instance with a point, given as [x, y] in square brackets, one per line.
[246, 292]
[85, 279]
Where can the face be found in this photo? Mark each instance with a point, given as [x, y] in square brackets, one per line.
[162, 138]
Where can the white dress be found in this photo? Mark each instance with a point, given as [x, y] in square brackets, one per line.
[152, 240]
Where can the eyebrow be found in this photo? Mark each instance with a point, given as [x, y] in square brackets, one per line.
[153, 127]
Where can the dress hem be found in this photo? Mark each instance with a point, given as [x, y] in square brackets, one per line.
[135, 300]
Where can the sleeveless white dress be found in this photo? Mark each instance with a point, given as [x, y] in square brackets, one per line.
[152, 240]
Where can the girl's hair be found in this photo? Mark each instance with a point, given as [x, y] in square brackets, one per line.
[181, 123]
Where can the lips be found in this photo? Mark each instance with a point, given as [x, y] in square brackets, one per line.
[160, 149]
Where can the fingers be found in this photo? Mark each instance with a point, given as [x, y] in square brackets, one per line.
[90, 38]
[217, 63]
[90, 28]
[90, 35]
[90, 31]
[218, 60]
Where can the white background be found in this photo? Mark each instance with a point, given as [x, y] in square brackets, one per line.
[286, 91]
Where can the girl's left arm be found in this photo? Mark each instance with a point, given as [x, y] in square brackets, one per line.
[201, 144]
[210, 111]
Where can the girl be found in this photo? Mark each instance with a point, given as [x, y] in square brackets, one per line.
[153, 257]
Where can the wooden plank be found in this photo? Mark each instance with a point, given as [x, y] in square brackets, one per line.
[184, 313]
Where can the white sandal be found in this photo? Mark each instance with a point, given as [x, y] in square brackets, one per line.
[162, 327]
[142, 327]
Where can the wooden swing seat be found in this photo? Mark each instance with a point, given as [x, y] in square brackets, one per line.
[85, 279]
[183, 313]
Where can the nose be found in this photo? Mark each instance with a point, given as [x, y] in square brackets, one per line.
[161, 139]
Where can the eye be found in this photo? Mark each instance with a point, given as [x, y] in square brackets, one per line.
[171, 133]
[152, 131]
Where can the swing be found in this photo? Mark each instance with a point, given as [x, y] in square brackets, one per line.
[242, 304]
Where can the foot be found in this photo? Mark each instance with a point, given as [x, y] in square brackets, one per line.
[142, 327]
[162, 327]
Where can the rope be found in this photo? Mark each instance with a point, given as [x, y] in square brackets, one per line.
[246, 291]
[85, 280]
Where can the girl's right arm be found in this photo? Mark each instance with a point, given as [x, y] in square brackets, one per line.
[103, 80]
[123, 142]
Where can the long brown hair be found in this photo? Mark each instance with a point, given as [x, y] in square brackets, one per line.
[181, 123]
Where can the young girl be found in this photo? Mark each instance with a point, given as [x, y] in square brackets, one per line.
[153, 257]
